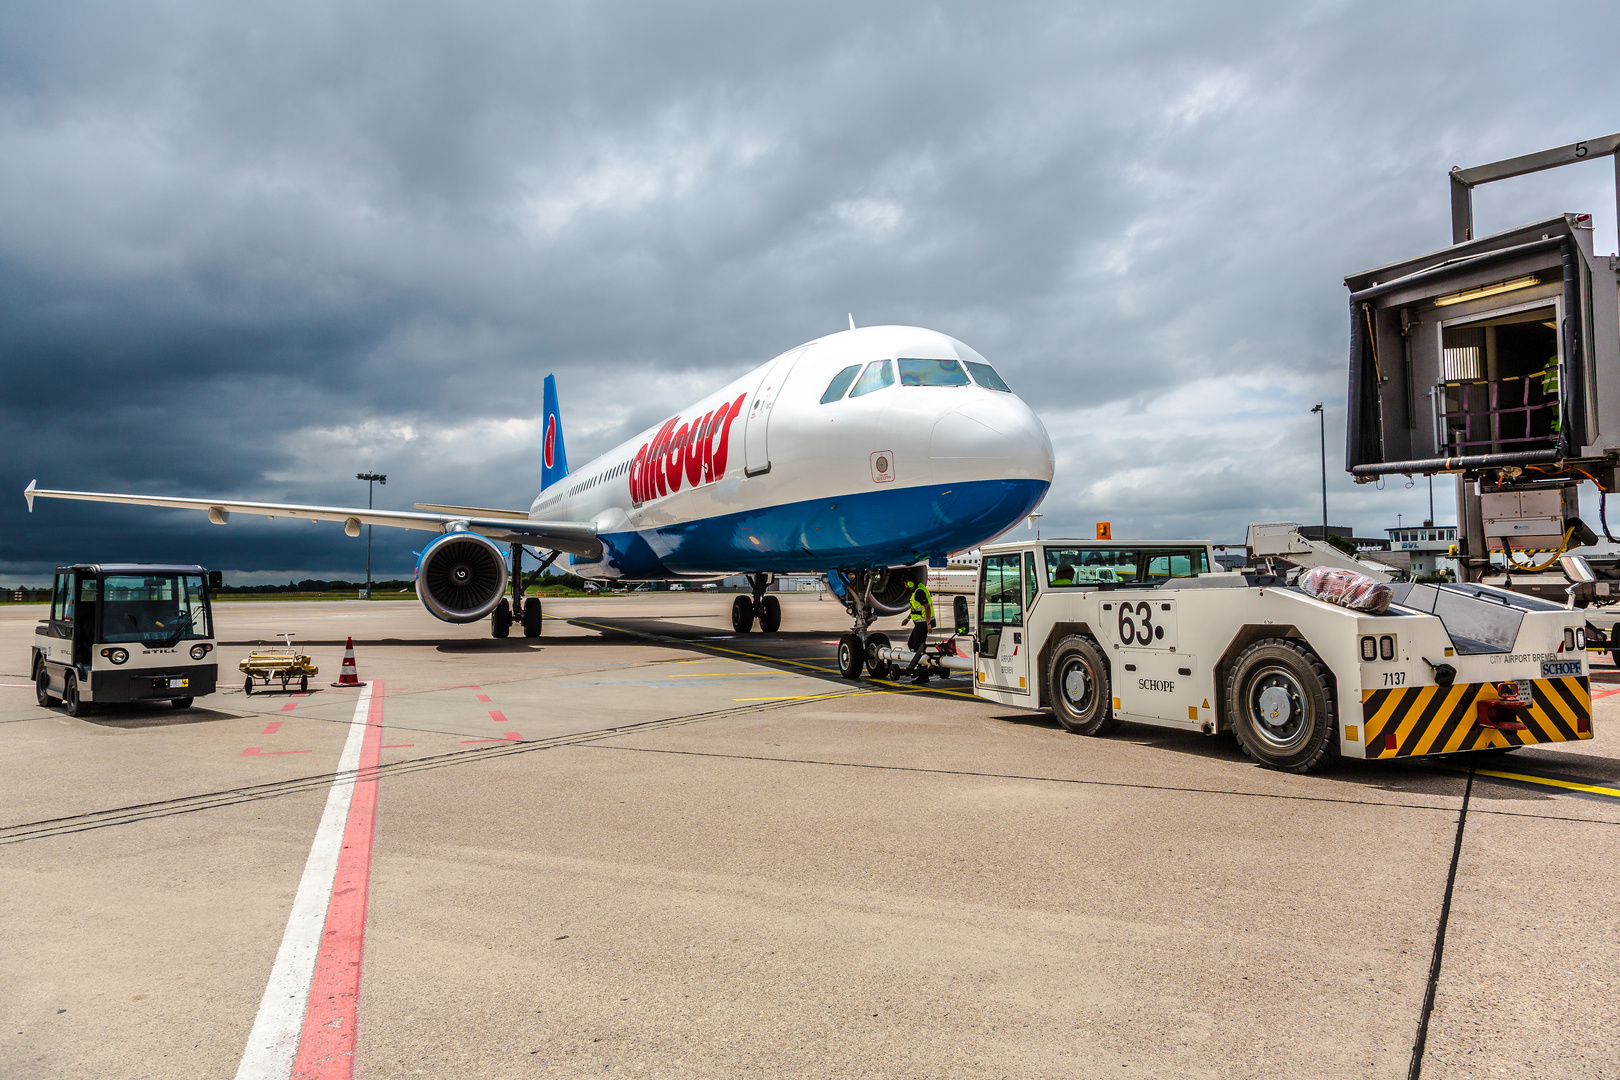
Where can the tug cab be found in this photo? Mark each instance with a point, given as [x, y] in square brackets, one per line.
[126, 632]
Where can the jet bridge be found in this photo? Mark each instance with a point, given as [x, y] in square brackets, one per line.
[1495, 360]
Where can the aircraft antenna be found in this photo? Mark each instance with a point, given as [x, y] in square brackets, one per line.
[852, 320]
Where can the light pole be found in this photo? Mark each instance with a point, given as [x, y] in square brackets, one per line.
[1322, 416]
[370, 479]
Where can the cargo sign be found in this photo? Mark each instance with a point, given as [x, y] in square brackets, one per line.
[1554, 668]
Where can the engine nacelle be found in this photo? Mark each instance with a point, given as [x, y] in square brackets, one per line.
[890, 588]
[461, 577]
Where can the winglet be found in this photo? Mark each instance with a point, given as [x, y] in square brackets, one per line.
[852, 320]
[28, 493]
[553, 458]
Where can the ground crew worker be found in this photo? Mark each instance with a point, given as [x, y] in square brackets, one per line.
[922, 620]
[1549, 392]
[1064, 575]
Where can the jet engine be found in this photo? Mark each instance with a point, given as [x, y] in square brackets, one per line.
[461, 577]
[889, 587]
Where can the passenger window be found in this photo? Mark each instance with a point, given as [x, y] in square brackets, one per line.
[878, 374]
[986, 376]
[931, 373]
[840, 383]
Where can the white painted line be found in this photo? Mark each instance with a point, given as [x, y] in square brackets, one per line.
[273, 1043]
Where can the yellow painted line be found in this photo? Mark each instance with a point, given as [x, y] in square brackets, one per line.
[1590, 789]
[733, 675]
[758, 656]
[808, 697]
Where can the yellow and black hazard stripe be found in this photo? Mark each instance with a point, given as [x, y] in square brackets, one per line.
[1407, 721]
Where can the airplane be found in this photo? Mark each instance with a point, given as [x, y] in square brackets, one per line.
[858, 455]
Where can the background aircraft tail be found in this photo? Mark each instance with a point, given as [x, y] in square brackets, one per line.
[553, 458]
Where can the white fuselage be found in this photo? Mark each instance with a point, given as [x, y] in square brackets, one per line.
[763, 476]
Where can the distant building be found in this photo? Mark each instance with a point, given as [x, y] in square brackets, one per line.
[1426, 545]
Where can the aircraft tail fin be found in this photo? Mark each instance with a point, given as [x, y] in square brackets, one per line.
[553, 457]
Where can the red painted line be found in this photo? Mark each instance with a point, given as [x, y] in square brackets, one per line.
[290, 706]
[510, 736]
[484, 698]
[400, 746]
[271, 728]
[259, 751]
[326, 1051]
[1606, 693]
[495, 715]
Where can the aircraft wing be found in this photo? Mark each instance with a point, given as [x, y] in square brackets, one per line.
[574, 537]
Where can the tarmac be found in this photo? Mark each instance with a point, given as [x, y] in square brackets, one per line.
[641, 845]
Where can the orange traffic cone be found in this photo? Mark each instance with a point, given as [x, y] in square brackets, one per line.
[349, 675]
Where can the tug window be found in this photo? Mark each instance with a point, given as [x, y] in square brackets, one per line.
[931, 373]
[986, 376]
[840, 383]
[878, 374]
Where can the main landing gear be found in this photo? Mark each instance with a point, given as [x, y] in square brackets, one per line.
[524, 611]
[761, 605]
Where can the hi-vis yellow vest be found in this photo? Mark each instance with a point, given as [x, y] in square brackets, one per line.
[922, 605]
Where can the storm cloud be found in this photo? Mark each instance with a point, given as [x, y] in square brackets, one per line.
[252, 250]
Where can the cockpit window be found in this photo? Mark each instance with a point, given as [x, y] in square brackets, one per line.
[840, 383]
[931, 373]
[986, 376]
[878, 374]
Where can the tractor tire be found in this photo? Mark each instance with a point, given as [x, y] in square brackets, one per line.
[42, 687]
[181, 703]
[770, 614]
[1082, 693]
[1280, 701]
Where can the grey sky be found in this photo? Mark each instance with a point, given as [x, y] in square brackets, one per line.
[256, 250]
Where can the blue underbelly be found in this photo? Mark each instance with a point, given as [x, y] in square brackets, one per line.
[890, 527]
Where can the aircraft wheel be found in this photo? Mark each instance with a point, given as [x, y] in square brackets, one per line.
[742, 615]
[42, 687]
[1082, 698]
[70, 695]
[500, 620]
[877, 669]
[181, 703]
[770, 614]
[1282, 711]
[850, 656]
[532, 617]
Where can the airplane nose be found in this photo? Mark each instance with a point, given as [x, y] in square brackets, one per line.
[996, 433]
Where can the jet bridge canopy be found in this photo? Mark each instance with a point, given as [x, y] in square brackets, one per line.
[1485, 354]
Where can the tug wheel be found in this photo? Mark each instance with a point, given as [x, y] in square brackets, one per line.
[70, 695]
[180, 703]
[42, 687]
[1082, 695]
[1281, 708]
[850, 656]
